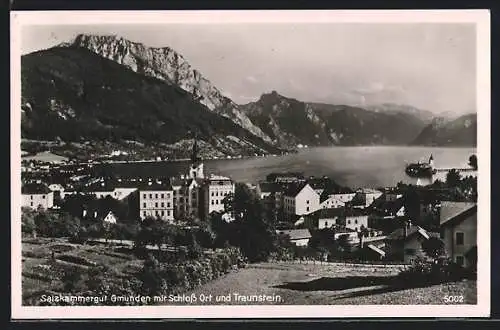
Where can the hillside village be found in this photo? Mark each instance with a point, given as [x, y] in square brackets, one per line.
[320, 218]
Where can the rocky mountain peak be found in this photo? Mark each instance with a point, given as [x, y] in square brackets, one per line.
[167, 65]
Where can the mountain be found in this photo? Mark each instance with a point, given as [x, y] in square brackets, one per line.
[167, 65]
[73, 94]
[289, 122]
[461, 131]
[424, 115]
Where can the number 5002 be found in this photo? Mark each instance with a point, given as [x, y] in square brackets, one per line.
[453, 299]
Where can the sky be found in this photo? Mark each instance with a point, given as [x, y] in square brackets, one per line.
[431, 66]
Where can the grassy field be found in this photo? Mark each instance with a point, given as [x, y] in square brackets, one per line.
[298, 284]
[295, 284]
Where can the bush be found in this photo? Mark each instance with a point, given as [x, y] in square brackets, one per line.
[424, 272]
[76, 260]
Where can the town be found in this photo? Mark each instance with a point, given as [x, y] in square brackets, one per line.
[284, 218]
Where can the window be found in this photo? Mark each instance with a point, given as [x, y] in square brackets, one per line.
[144, 213]
[43, 196]
[168, 204]
[162, 204]
[213, 202]
[356, 221]
[307, 209]
[144, 195]
[307, 202]
[168, 212]
[216, 201]
[31, 203]
[150, 195]
[212, 194]
[348, 222]
[162, 213]
[156, 195]
[168, 195]
[156, 204]
[162, 195]
[143, 204]
[326, 223]
[460, 260]
[156, 213]
[459, 238]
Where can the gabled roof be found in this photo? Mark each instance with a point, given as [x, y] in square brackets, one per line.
[399, 234]
[452, 212]
[295, 233]
[34, 189]
[387, 207]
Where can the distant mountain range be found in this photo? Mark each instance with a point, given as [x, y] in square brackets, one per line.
[109, 88]
[461, 131]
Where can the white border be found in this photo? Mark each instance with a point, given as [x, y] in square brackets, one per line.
[479, 17]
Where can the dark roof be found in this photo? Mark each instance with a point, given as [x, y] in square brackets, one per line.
[453, 212]
[34, 189]
[269, 187]
[398, 234]
[387, 207]
[294, 189]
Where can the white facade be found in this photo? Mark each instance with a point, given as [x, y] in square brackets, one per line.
[157, 203]
[355, 222]
[215, 190]
[336, 200]
[38, 200]
[304, 202]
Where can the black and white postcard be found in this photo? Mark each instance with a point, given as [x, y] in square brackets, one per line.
[250, 164]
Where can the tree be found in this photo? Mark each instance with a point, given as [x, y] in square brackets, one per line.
[28, 225]
[433, 247]
[453, 178]
[473, 161]
[72, 280]
[150, 276]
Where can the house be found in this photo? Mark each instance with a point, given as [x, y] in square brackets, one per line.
[35, 195]
[334, 199]
[385, 214]
[300, 199]
[364, 197]
[214, 190]
[156, 200]
[351, 218]
[287, 177]
[266, 189]
[458, 221]
[110, 218]
[405, 244]
[299, 237]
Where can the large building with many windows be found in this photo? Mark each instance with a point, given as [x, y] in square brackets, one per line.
[214, 190]
[157, 200]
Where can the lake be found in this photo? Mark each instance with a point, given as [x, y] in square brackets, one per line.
[350, 166]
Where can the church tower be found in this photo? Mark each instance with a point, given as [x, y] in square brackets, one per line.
[196, 169]
[431, 161]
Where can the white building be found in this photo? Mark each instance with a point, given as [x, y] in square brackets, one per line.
[299, 237]
[157, 201]
[336, 200]
[36, 195]
[366, 196]
[186, 197]
[214, 190]
[300, 200]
